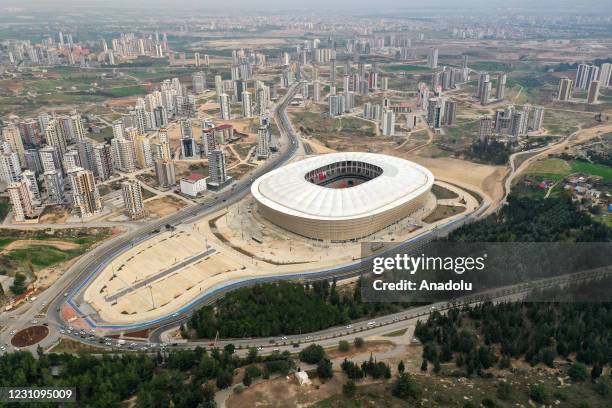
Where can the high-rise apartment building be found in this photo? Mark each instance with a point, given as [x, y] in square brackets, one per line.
[10, 168]
[593, 92]
[501, 87]
[54, 185]
[85, 195]
[247, 106]
[485, 129]
[224, 106]
[565, 89]
[12, 136]
[218, 177]
[585, 74]
[165, 173]
[432, 58]
[142, 151]
[388, 122]
[102, 162]
[55, 137]
[124, 158]
[199, 83]
[263, 142]
[21, 200]
[131, 191]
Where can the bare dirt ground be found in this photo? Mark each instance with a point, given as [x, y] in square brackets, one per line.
[29, 336]
[284, 392]
[482, 178]
[56, 214]
[161, 207]
[24, 243]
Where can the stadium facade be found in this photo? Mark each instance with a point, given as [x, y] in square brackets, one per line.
[342, 196]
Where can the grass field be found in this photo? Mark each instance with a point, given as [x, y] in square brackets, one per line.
[443, 211]
[442, 193]
[31, 259]
[553, 169]
[591, 168]
[5, 207]
[407, 68]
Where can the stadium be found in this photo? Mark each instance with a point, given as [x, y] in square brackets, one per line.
[342, 196]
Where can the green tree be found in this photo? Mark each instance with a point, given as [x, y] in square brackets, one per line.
[324, 369]
[312, 354]
[504, 391]
[349, 389]
[18, 287]
[358, 342]
[539, 394]
[224, 379]
[401, 367]
[343, 346]
[578, 372]
[406, 388]
[247, 380]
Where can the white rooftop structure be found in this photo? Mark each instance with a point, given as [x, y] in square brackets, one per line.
[347, 187]
[286, 189]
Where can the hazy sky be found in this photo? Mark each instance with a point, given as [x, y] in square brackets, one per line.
[372, 5]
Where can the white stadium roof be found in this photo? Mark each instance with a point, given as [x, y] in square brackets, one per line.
[287, 190]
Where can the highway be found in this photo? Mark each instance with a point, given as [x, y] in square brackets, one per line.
[364, 328]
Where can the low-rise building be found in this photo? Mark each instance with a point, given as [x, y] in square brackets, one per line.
[193, 184]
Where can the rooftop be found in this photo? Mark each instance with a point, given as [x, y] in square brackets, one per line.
[286, 190]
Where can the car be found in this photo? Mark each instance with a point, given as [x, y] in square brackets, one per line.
[62, 331]
[13, 332]
[174, 314]
[2, 348]
[276, 349]
[284, 338]
[372, 323]
[34, 321]
[350, 326]
[70, 328]
[108, 343]
[66, 294]
[93, 330]
[259, 348]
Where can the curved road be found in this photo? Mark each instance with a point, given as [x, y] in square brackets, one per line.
[82, 271]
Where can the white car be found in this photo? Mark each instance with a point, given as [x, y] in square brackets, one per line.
[284, 338]
[13, 332]
[350, 326]
[174, 314]
[34, 321]
[62, 331]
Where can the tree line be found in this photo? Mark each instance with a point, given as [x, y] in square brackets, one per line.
[272, 309]
[180, 378]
